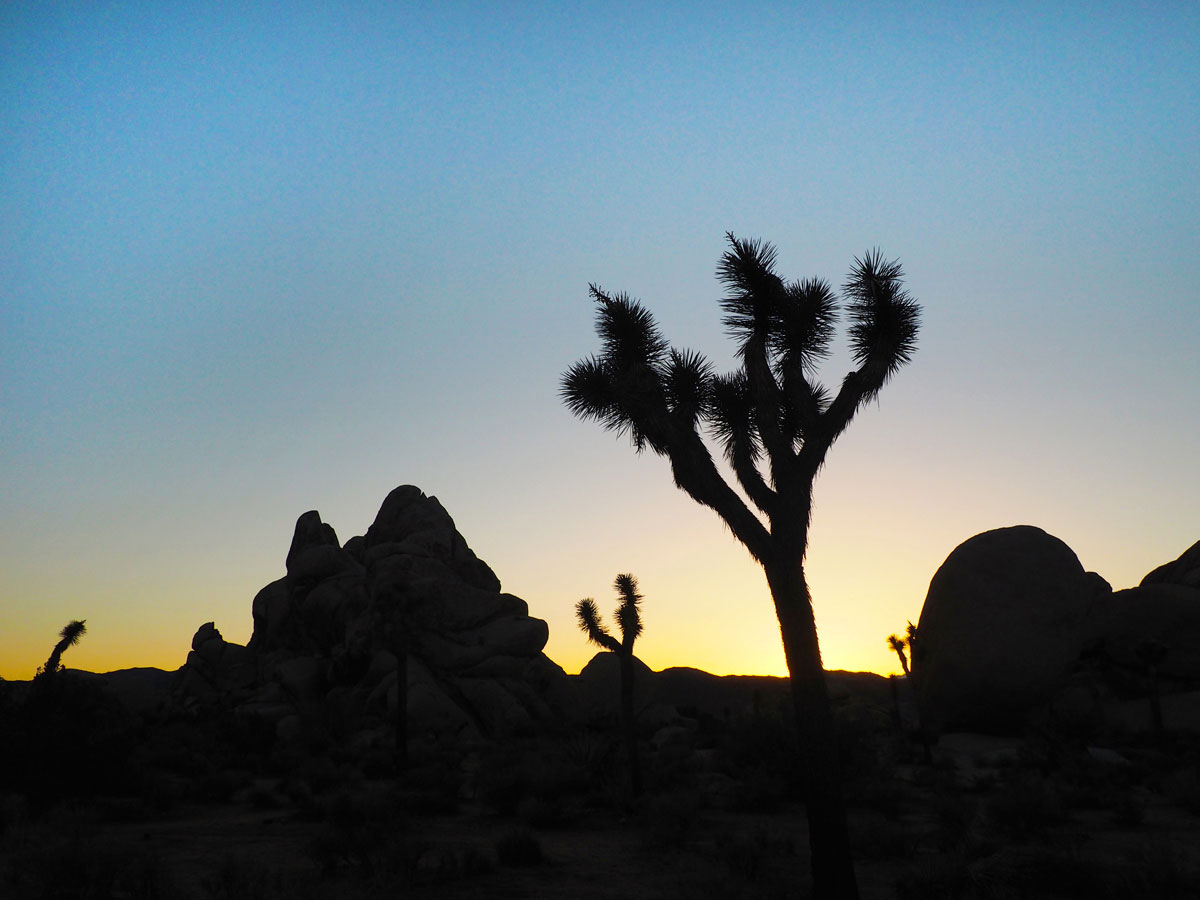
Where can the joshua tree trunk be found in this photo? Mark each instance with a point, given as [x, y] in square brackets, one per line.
[829, 837]
[629, 724]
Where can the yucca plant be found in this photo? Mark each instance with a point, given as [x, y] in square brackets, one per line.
[898, 644]
[775, 424]
[629, 621]
[68, 637]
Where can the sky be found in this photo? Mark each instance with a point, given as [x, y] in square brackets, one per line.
[257, 259]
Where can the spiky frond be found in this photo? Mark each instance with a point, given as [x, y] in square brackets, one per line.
[911, 633]
[72, 632]
[589, 622]
[884, 318]
[687, 385]
[628, 615]
[806, 400]
[747, 268]
[803, 325]
[621, 400]
[896, 643]
[731, 416]
[587, 390]
[68, 637]
[628, 332]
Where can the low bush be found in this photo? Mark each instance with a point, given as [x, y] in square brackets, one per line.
[1025, 806]
[519, 848]
[670, 819]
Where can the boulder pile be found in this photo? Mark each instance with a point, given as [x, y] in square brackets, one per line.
[330, 636]
[1013, 630]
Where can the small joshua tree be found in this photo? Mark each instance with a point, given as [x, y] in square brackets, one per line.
[897, 644]
[68, 637]
[629, 620]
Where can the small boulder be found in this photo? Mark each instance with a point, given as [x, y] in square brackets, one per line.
[1157, 611]
[1183, 571]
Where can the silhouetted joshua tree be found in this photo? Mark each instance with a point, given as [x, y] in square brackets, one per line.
[897, 644]
[629, 620]
[775, 424]
[69, 637]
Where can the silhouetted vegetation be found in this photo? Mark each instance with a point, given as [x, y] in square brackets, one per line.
[68, 637]
[897, 644]
[775, 424]
[630, 623]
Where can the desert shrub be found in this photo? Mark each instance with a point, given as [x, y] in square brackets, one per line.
[360, 830]
[1155, 869]
[534, 770]
[1152, 869]
[502, 779]
[761, 749]
[670, 819]
[439, 864]
[878, 838]
[590, 752]
[1025, 806]
[78, 866]
[67, 739]
[955, 817]
[264, 796]
[762, 790]
[239, 877]
[747, 855]
[161, 792]
[863, 741]
[885, 796]
[519, 848]
[539, 813]
[219, 786]
[941, 877]
[1128, 809]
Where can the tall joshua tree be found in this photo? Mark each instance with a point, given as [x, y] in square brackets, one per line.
[68, 637]
[775, 424]
[629, 620]
[897, 644]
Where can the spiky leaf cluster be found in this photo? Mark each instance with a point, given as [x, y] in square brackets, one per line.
[773, 421]
[628, 616]
[68, 637]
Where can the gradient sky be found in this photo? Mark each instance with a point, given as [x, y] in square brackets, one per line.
[262, 258]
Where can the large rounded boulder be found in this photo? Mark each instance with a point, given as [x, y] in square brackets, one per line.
[1007, 616]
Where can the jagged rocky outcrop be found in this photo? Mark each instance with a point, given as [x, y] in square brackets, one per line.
[1013, 629]
[329, 634]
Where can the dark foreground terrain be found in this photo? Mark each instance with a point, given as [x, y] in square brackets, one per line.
[98, 803]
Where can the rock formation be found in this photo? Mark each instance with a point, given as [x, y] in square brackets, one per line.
[328, 635]
[1013, 629]
[1007, 615]
[1165, 608]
